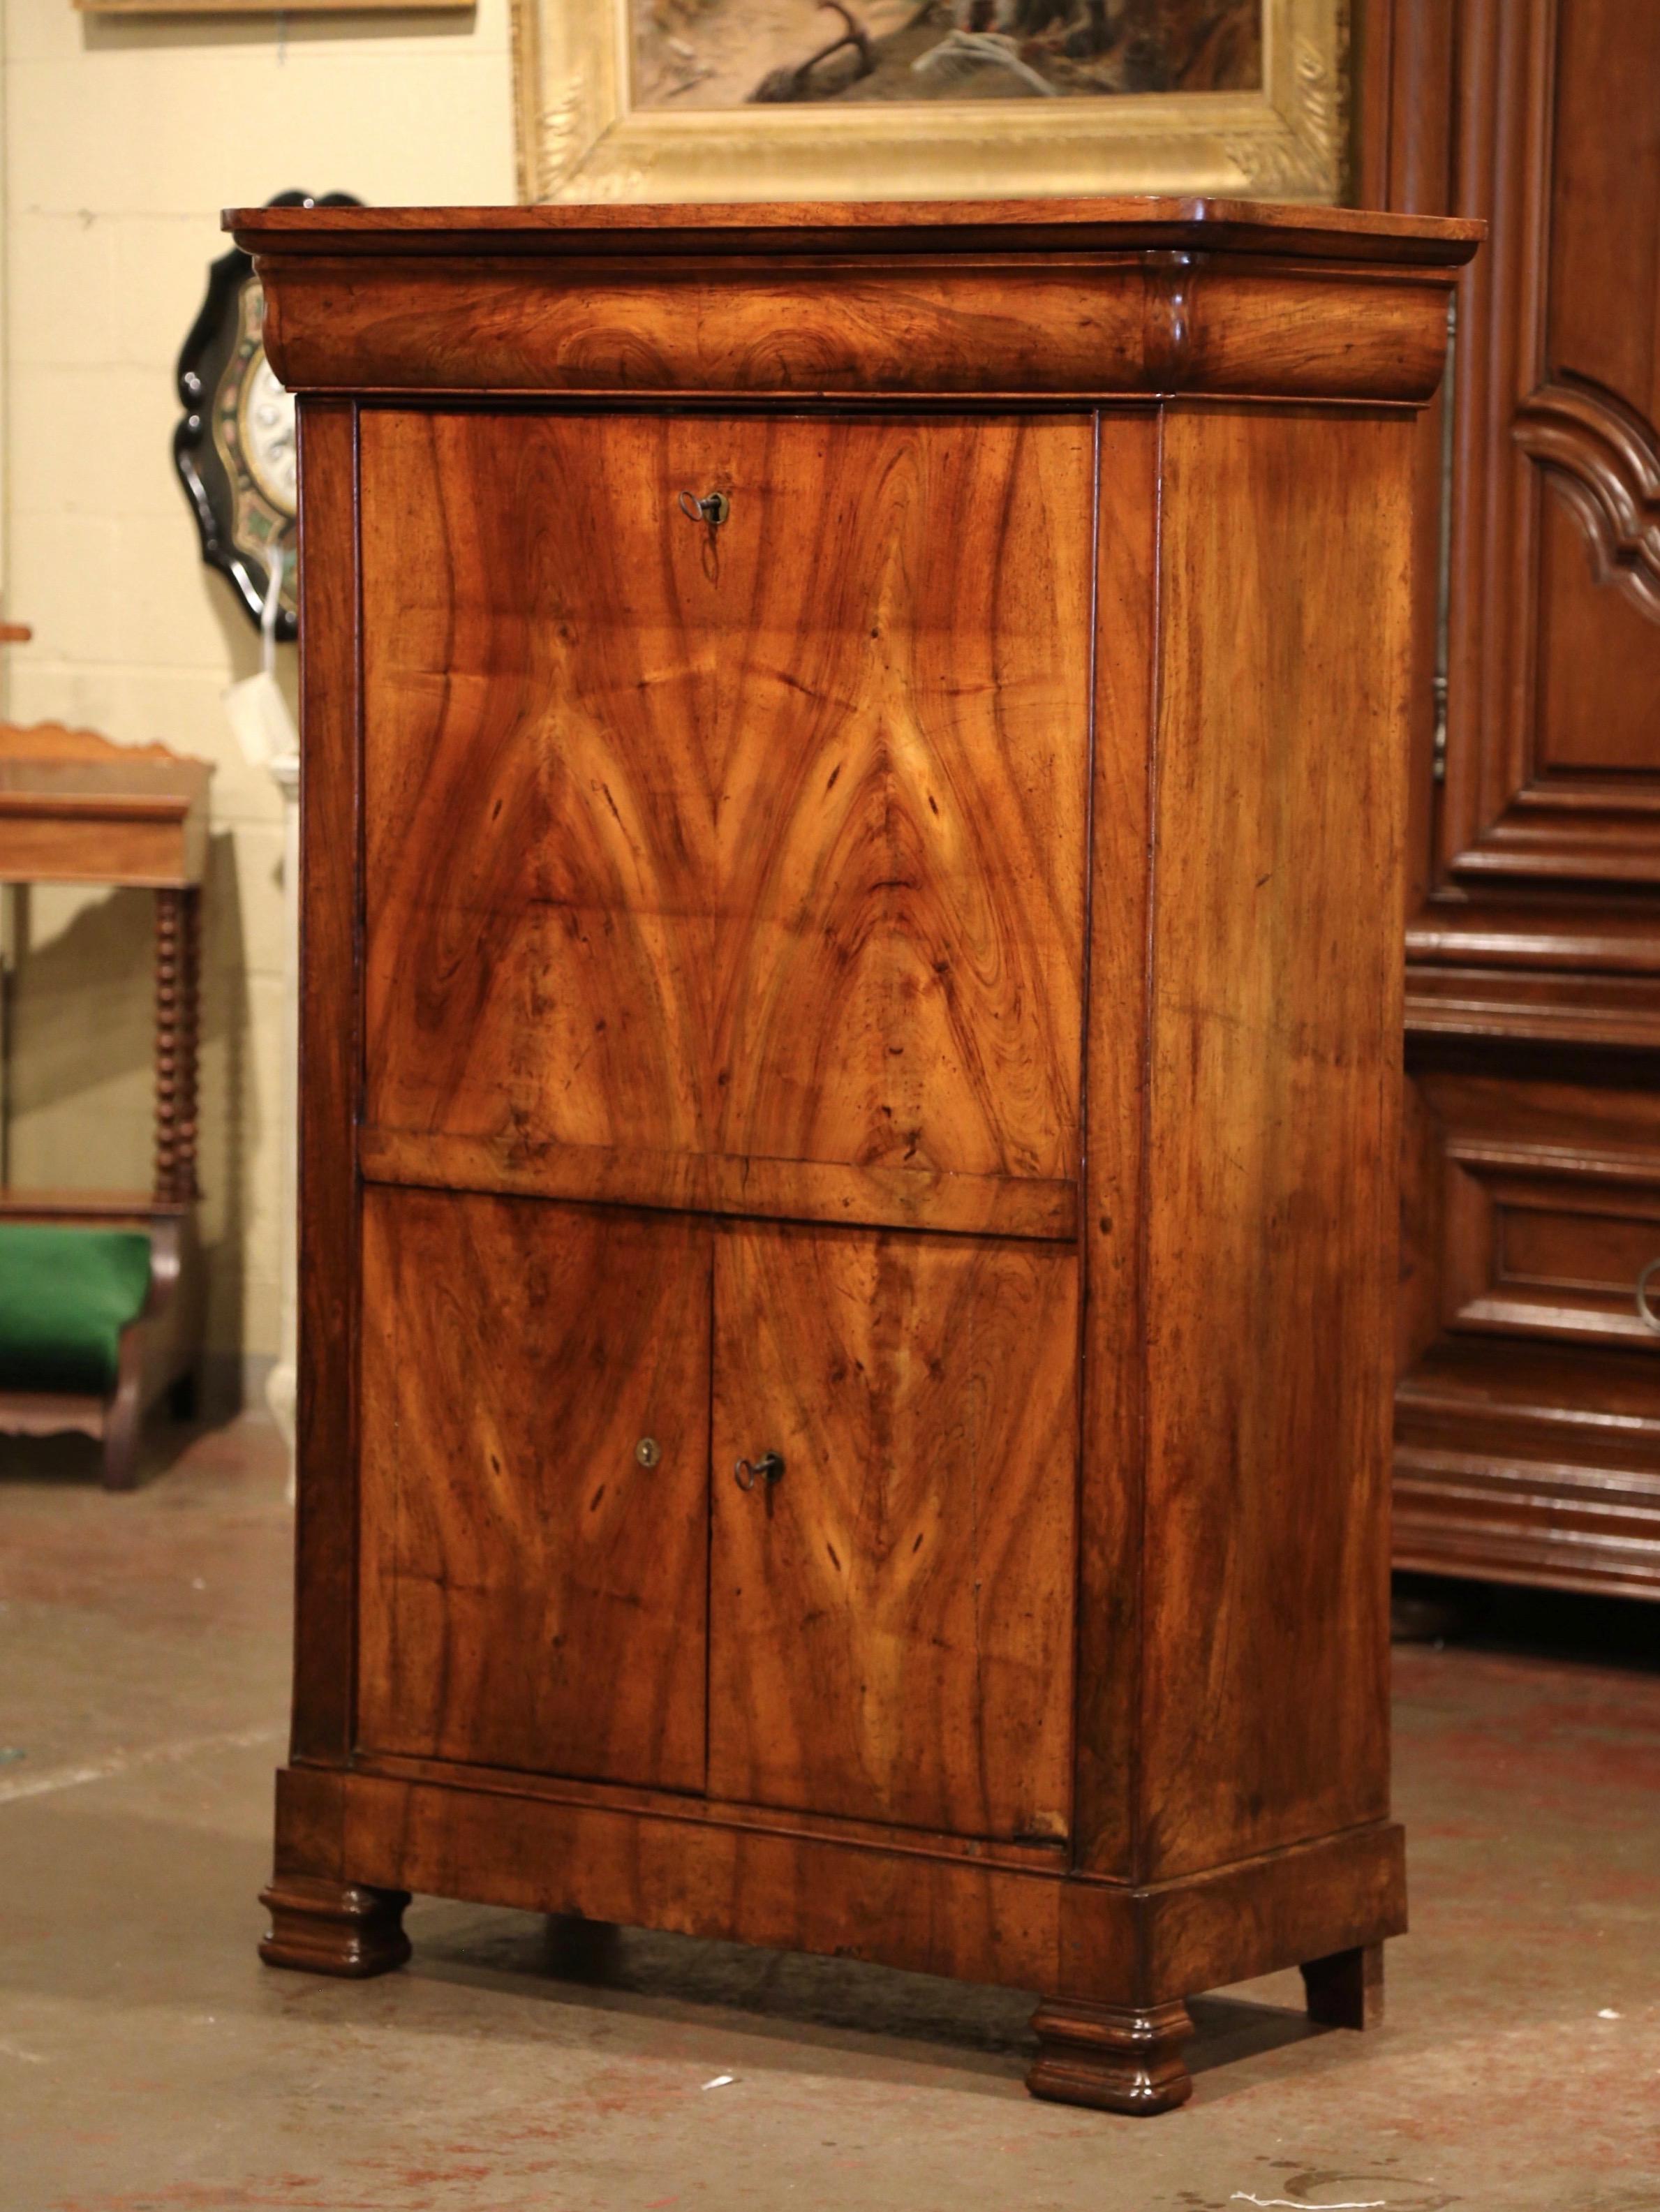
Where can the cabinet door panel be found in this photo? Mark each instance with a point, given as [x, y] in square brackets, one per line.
[891, 1632]
[531, 1595]
[764, 840]
[900, 918]
[1552, 768]
[1538, 1211]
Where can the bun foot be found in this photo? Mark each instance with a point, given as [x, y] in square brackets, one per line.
[1117, 2058]
[1346, 1990]
[333, 1927]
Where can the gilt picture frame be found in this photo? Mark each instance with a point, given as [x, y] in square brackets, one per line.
[582, 134]
[271, 8]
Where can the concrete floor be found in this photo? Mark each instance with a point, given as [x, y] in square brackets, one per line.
[148, 2061]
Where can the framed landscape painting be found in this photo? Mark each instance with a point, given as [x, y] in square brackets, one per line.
[733, 100]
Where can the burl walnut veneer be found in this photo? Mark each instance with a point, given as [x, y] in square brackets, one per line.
[851, 1013]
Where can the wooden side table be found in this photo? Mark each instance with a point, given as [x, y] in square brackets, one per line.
[76, 809]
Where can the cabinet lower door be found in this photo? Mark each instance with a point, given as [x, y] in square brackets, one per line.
[891, 1617]
[535, 1427]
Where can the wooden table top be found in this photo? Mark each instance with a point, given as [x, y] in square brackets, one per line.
[74, 808]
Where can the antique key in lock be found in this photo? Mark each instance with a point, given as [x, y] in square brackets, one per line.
[713, 508]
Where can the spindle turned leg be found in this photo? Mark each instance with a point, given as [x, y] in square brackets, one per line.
[324, 1926]
[1346, 1990]
[1117, 2058]
[178, 1026]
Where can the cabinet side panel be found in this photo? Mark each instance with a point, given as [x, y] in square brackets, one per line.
[1275, 1114]
[1110, 1520]
[330, 1067]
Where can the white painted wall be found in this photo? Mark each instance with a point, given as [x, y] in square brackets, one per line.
[122, 137]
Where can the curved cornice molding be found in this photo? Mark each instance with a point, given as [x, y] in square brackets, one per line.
[1605, 461]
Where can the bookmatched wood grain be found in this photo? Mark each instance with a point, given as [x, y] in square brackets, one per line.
[892, 1625]
[764, 840]
[532, 1594]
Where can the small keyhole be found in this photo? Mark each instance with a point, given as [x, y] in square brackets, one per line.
[713, 508]
[648, 1451]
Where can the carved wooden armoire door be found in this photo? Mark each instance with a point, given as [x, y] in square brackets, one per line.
[1529, 1429]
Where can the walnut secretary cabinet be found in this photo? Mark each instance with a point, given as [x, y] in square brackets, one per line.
[852, 800]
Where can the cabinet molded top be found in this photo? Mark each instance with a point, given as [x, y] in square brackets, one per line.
[1036, 300]
[1167, 222]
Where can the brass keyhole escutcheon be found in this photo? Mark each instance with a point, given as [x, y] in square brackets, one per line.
[768, 1469]
[713, 508]
[648, 1451]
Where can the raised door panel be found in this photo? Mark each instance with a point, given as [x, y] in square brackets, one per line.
[891, 1624]
[1540, 1205]
[531, 1595]
[759, 841]
[1553, 772]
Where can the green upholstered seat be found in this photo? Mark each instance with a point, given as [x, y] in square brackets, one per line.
[65, 1296]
